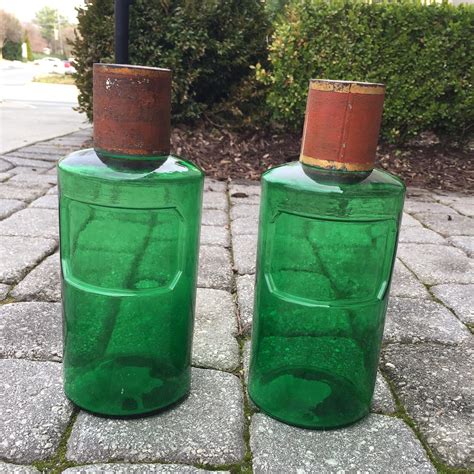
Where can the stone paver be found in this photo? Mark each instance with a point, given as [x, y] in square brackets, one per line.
[434, 383]
[19, 254]
[448, 225]
[214, 217]
[463, 204]
[460, 298]
[22, 193]
[411, 320]
[419, 194]
[53, 190]
[414, 206]
[405, 284]
[244, 210]
[464, 243]
[250, 188]
[216, 325]
[214, 185]
[215, 200]
[5, 176]
[31, 223]
[50, 201]
[414, 234]
[244, 226]
[245, 295]
[214, 235]
[376, 444]
[42, 283]
[34, 410]
[4, 289]
[206, 428]
[435, 264]
[8, 468]
[215, 268]
[5, 165]
[124, 468]
[34, 180]
[409, 221]
[245, 253]
[31, 331]
[9, 206]
[17, 161]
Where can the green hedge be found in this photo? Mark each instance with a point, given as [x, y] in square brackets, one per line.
[11, 50]
[209, 44]
[424, 55]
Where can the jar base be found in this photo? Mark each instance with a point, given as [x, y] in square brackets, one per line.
[308, 398]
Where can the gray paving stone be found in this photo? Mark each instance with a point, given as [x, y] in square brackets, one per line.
[434, 383]
[5, 165]
[22, 193]
[250, 189]
[435, 264]
[382, 401]
[214, 235]
[206, 428]
[464, 243]
[419, 194]
[405, 284]
[376, 444]
[18, 255]
[412, 320]
[460, 298]
[34, 179]
[215, 268]
[214, 217]
[31, 331]
[31, 223]
[448, 225]
[45, 154]
[124, 468]
[27, 162]
[214, 343]
[420, 235]
[245, 253]
[214, 185]
[49, 201]
[414, 207]
[9, 206]
[464, 206]
[35, 411]
[245, 295]
[27, 170]
[7, 468]
[4, 176]
[215, 200]
[409, 221]
[244, 226]
[244, 210]
[4, 289]
[53, 190]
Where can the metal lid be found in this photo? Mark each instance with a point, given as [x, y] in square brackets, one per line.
[132, 110]
[342, 124]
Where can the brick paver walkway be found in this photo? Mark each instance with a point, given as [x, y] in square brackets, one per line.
[422, 410]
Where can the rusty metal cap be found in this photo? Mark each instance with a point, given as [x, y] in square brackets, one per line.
[342, 124]
[132, 110]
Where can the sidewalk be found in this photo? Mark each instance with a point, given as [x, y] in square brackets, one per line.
[421, 420]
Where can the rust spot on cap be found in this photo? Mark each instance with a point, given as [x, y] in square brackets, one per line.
[132, 110]
[342, 124]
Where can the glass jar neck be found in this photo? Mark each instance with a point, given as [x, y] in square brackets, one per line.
[334, 175]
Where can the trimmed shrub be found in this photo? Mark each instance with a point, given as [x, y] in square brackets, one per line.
[11, 50]
[209, 45]
[424, 55]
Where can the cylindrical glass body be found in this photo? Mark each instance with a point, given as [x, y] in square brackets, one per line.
[326, 249]
[129, 232]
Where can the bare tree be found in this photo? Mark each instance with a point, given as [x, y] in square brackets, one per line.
[10, 28]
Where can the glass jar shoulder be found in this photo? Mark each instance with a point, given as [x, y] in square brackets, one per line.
[87, 164]
[296, 189]
[294, 176]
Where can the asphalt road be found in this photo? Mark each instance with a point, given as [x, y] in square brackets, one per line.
[31, 111]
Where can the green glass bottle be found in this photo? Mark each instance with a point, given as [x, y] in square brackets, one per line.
[327, 242]
[129, 231]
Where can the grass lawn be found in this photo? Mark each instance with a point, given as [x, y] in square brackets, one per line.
[55, 79]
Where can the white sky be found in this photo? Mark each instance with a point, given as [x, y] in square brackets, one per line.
[25, 10]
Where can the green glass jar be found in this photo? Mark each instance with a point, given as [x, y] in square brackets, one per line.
[326, 249]
[129, 232]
